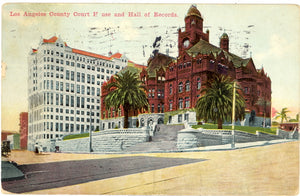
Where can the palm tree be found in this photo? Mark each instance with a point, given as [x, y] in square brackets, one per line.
[282, 115]
[127, 91]
[216, 103]
[263, 102]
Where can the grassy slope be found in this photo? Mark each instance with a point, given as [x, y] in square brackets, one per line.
[252, 130]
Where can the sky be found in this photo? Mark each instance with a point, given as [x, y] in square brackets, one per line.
[267, 33]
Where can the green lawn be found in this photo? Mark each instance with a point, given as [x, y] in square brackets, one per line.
[76, 136]
[252, 130]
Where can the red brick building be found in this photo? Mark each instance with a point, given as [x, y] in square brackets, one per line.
[175, 83]
[23, 130]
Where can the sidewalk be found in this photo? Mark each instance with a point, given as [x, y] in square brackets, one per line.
[11, 172]
[238, 145]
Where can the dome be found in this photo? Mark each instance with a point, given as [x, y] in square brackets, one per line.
[224, 35]
[193, 11]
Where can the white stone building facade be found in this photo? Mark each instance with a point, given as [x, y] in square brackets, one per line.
[64, 87]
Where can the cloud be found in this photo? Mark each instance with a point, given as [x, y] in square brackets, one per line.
[278, 47]
[3, 69]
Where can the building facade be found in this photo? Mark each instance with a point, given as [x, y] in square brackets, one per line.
[64, 87]
[174, 84]
[23, 130]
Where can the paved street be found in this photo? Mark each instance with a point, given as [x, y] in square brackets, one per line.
[59, 174]
[264, 170]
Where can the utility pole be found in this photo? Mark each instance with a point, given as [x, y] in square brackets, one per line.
[233, 115]
[91, 149]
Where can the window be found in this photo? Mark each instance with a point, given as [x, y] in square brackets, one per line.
[72, 88]
[246, 90]
[93, 79]
[180, 87]
[78, 77]
[78, 102]
[61, 86]
[180, 103]
[152, 108]
[170, 105]
[88, 78]
[82, 102]
[61, 100]
[82, 89]
[187, 86]
[78, 88]
[187, 102]
[158, 93]
[180, 118]
[170, 89]
[72, 101]
[88, 90]
[82, 77]
[57, 99]
[67, 87]
[72, 75]
[198, 83]
[67, 100]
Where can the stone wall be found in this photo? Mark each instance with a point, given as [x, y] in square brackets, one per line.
[189, 117]
[287, 134]
[113, 140]
[192, 138]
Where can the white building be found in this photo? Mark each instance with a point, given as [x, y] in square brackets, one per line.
[64, 87]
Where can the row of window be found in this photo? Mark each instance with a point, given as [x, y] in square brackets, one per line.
[187, 86]
[160, 93]
[78, 58]
[70, 111]
[179, 120]
[180, 103]
[68, 101]
[90, 79]
[60, 68]
[59, 86]
[185, 65]
[160, 108]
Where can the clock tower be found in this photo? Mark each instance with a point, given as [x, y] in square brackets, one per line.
[193, 30]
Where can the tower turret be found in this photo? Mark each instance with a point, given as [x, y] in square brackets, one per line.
[224, 42]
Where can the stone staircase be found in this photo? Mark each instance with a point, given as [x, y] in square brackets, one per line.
[164, 140]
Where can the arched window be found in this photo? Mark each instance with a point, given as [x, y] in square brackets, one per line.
[170, 89]
[180, 103]
[187, 86]
[198, 84]
[170, 105]
[180, 87]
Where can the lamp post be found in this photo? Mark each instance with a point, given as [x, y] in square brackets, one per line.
[91, 149]
[233, 115]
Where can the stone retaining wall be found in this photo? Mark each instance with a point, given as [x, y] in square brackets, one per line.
[192, 138]
[114, 140]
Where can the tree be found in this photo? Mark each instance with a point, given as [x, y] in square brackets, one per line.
[127, 91]
[282, 115]
[295, 119]
[216, 103]
[265, 103]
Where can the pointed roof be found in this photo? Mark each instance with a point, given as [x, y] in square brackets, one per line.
[116, 55]
[203, 47]
[193, 11]
[157, 62]
[224, 36]
[51, 40]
